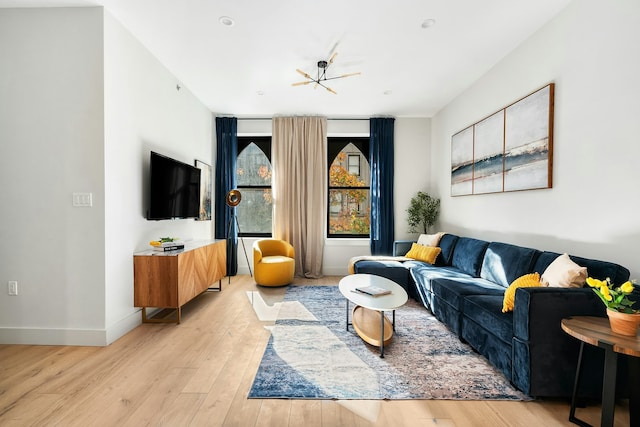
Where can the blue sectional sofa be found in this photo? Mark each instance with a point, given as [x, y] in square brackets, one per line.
[465, 288]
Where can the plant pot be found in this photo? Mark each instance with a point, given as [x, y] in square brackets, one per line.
[623, 323]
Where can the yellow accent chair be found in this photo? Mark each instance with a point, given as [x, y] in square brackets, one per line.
[273, 262]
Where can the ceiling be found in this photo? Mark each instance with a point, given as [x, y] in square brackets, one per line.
[247, 69]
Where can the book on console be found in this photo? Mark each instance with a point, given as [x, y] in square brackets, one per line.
[168, 248]
[374, 291]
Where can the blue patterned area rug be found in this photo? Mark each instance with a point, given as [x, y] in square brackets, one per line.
[311, 355]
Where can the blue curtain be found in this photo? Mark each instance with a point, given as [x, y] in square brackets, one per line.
[381, 161]
[226, 155]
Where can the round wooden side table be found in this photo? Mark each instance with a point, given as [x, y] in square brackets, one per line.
[596, 331]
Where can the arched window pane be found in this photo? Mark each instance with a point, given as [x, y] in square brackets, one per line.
[349, 177]
[253, 167]
[253, 175]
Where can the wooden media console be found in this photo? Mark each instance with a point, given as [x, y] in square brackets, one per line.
[172, 279]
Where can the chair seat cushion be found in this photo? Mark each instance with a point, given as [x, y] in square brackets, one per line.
[277, 259]
[275, 270]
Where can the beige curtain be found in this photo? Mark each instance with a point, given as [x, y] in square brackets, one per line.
[299, 158]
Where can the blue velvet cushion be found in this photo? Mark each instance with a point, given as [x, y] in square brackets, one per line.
[453, 291]
[488, 330]
[423, 276]
[486, 311]
[503, 263]
[468, 254]
[596, 269]
[447, 244]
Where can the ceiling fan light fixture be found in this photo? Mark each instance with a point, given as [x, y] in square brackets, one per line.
[322, 75]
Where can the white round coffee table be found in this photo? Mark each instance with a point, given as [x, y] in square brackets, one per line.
[368, 317]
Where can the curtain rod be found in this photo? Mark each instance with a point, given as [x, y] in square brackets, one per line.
[271, 118]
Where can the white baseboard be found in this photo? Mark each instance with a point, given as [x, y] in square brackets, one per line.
[76, 337]
[39, 336]
[327, 271]
[124, 326]
[335, 271]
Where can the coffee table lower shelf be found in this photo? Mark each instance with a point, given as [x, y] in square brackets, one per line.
[367, 324]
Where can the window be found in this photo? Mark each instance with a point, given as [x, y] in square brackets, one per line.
[253, 177]
[354, 164]
[348, 207]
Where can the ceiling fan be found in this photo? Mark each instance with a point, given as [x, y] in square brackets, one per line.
[322, 75]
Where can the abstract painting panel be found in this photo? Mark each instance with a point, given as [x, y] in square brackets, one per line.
[488, 154]
[527, 143]
[462, 163]
[510, 150]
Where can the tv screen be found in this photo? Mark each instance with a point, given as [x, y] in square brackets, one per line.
[174, 189]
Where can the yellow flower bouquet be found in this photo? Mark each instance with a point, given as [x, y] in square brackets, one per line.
[159, 242]
[615, 298]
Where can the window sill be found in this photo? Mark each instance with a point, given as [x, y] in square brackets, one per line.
[337, 241]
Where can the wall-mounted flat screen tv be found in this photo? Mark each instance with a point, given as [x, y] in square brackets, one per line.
[174, 189]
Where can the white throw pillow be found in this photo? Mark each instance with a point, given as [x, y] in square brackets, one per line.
[564, 273]
[430, 239]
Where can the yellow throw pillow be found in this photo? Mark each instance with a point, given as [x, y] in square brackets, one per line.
[527, 281]
[423, 253]
[564, 273]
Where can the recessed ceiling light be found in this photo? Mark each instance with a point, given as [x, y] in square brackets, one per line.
[260, 93]
[428, 23]
[388, 92]
[226, 21]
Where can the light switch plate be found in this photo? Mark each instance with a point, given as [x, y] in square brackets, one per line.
[82, 199]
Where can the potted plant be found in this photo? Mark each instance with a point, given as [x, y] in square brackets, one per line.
[422, 213]
[623, 319]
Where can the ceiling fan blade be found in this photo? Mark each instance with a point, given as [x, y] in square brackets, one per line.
[327, 88]
[343, 76]
[303, 73]
[315, 86]
[333, 57]
[301, 83]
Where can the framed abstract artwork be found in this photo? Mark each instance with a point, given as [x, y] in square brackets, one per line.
[205, 191]
[462, 162]
[510, 150]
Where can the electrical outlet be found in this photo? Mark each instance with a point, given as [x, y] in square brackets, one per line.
[12, 287]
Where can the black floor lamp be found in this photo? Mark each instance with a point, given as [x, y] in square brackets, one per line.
[233, 199]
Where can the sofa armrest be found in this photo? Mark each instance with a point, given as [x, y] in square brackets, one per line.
[401, 247]
[538, 311]
[544, 356]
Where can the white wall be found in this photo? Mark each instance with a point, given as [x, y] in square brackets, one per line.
[81, 105]
[412, 168]
[411, 165]
[144, 111]
[51, 133]
[588, 50]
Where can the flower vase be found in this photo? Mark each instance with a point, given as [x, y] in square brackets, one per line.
[624, 323]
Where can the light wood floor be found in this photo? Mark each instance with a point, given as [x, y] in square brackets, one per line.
[198, 373]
